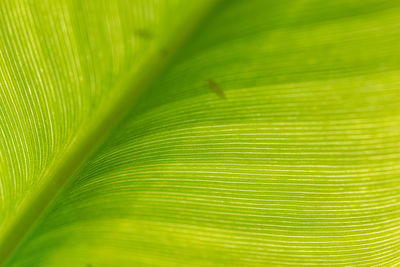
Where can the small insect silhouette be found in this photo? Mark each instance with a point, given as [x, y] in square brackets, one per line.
[216, 88]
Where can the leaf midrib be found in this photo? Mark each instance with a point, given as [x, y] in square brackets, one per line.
[129, 91]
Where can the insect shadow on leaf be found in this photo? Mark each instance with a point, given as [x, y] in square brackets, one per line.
[216, 88]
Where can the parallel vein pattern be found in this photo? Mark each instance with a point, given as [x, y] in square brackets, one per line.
[59, 62]
[299, 164]
[30, 196]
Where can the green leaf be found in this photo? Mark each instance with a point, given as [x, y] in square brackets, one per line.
[196, 133]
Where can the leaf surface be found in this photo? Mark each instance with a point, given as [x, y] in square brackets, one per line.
[272, 139]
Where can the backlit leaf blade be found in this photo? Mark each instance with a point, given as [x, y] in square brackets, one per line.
[298, 163]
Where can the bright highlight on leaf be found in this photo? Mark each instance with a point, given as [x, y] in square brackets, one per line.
[200, 133]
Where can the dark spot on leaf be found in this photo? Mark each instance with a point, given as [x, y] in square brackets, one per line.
[216, 88]
[143, 33]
